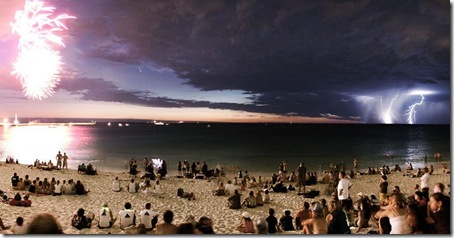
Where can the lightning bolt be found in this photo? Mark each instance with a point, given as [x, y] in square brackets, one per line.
[387, 114]
[411, 112]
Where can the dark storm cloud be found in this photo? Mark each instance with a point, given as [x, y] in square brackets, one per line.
[300, 57]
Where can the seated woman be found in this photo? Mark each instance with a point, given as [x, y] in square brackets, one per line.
[250, 201]
[259, 198]
[246, 224]
[267, 198]
[317, 224]
[80, 221]
[364, 214]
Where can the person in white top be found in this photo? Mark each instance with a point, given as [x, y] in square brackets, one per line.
[343, 187]
[425, 179]
[230, 187]
[132, 186]
[148, 217]
[58, 188]
[69, 188]
[106, 219]
[157, 188]
[127, 216]
[116, 185]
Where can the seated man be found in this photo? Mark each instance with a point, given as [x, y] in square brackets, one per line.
[148, 217]
[82, 168]
[80, 189]
[127, 216]
[235, 200]
[106, 219]
[80, 221]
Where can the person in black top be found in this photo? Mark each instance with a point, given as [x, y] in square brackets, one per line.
[286, 221]
[383, 189]
[272, 222]
[235, 200]
[80, 189]
[337, 220]
[14, 180]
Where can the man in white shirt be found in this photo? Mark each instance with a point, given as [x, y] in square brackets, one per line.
[116, 185]
[106, 219]
[127, 216]
[58, 188]
[425, 179]
[132, 186]
[148, 217]
[230, 187]
[343, 188]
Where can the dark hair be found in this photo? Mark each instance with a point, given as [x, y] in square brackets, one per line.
[342, 173]
[271, 211]
[19, 221]
[44, 223]
[80, 212]
[306, 205]
[384, 177]
[251, 193]
[186, 228]
[204, 225]
[287, 212]
[323, 201]
[128, 205]
[148, 205]
[168, 216]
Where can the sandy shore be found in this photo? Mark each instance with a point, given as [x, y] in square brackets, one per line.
[225, 220]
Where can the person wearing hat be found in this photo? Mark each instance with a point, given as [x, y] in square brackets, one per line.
[246, 223]
[204, 226]
[106, 219]
[317, 224]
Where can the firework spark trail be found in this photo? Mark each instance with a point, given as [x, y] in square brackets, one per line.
[38, 65]
[387, 115]
[411, 112]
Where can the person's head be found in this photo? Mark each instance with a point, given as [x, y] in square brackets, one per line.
[168, 216]
[44, 223]
[396, 189]
[439, 188]
[116, 178]
[236, 192]
[425, 170]
[397, 200]
[132, 180]
[251, 193]
[80, 212]
[141, 228]
[148, 206]
[341, 174]
[333, 204]
[384, 178]
[128, 205]
[419, 196]
[186, 228]
[271, 211]
[261, 227]
[317, 211]
[323, 202]
[267, 192]
[19, 221]
[287, 212]
[306, 206]
[205, 225]
[437, 201]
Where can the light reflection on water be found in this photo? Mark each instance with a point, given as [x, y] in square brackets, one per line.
[28, 143]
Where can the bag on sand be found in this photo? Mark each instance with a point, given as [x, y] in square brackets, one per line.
[180, 192]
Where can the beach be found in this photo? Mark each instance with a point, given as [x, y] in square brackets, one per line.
[225, 220]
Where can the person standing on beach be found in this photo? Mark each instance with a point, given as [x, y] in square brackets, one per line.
[59, 157]
[301, 173]
[343, 188]
[65, 161]
[383, 189]
[425, 179]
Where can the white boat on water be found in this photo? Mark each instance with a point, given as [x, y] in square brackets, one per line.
[158, 123]
[120, 125]
[109, 124]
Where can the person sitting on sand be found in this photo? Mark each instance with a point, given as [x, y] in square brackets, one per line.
[186, 228]
[250, 201]
[220, 191]
[2, 225]
[132, 186]
[32, 188]
[80, 189]
[116, 185]
[58, 188]
[166, 227]
[147, 188]
[157, 188]
[21, 184]
[20, 228]
[230, 188]
[286, 221]
[44, 223]
[235, 200]
[266, 197]
[127, 216]
[396, 214]
[317, 224]
[272, 224]
[246, 224]
[80, 221]
[364, 214]
[106, 219]
[259, 198]
[204, 226]
[439, 213]
[148, 217]
[302, 215]
[70, 188]
[336, 219]
[14, 180]
[410, 167]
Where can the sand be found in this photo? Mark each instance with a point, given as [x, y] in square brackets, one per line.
[224, 220]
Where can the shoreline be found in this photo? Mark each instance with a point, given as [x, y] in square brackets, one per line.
[224, 219]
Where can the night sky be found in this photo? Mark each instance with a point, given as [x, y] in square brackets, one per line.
[236, 61]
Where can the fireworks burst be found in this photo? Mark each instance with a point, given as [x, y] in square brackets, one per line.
[38, 65]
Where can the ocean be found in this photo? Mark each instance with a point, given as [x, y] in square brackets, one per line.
[252, 147]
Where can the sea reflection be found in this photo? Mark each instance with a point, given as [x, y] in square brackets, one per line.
[28, 143]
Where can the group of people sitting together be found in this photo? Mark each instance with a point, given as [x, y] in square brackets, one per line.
[198, 170]
[46, 187]
[146, 186]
